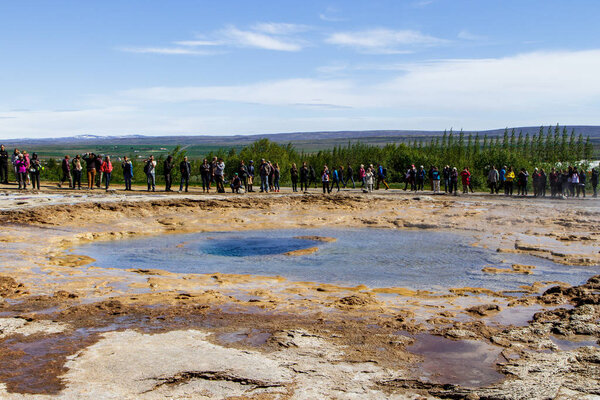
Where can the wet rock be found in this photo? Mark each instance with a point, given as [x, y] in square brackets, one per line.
[460, 334]
[356, 300]
[9, 287]
[63, 295]
[484, 309]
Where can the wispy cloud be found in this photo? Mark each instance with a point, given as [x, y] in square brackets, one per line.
[383, 41]
[422, 3]
[280, 28]
[466, 35]
[275, 36]
[166, 50]
[331, 14]
[253, 38]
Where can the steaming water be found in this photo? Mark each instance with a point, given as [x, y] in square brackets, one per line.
[423, 260]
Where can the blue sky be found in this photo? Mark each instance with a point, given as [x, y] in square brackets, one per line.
[239, 67]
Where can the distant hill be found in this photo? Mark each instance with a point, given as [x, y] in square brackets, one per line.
[392, 136]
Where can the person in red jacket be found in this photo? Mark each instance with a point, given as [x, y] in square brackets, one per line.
[106, 169]
[466, 179]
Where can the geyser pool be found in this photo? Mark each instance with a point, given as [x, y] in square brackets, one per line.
[419, 260]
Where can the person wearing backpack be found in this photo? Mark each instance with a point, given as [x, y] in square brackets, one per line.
[90, 166]
[185, 168]
[127, 172]
[220, 175]
[35, 167]
[106, 169]
[21, 168]
[150, 171]
[335, 181]
[381, 175]
[421, 175]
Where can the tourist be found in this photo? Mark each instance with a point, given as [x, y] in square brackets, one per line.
[554, 182]
[465, 176]
[509, 181]
[543, 182]
[243, 174]
[492, 180]
[523, 182]
[213, 167]
[276, 176]
[98, 161]
[220, 175]
[350, 176]
[21, 169]
[167, 170]
[185, 168]
[341, 176]
[312, 176]
[127, 172]
[335, 179]
[535, 180]
[251, 176]
[381, 176]
[574, 182]
[106, 169]
[294, 177]
[565, 180]
[435, 180]
[501, 179]
[66, 172]
[77, 169]
[582, 181]
[205, 175]
[369, 180]
[35, 167]
[446, 174]
[594, 181]
[150, 171]
[3, 165]
[362, 175]
[13, 159]
[236, 183]
[264, 171]
[421, 174]
[304, 177]
[325, 178]
[90, 161]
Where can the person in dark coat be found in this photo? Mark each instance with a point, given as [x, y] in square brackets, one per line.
[167, 169]
[186, 171]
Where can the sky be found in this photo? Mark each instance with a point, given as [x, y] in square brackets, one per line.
[190, 67]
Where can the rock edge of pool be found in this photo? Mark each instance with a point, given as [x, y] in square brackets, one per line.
[71, 329]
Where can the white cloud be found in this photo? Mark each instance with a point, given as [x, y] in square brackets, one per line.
[195, 43]
[249, 38]
[330, 15]
[527, 89]
[279, 28]
[466, 35]
[166, 50]
[383, 41]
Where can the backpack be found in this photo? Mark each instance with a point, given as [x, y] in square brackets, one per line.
[147, 167]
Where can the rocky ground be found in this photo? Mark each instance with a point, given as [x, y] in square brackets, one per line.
[69, 329]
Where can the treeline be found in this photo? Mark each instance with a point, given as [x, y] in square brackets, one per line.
[552, 146]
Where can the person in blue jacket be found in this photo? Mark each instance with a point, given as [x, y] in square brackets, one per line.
[381, 175]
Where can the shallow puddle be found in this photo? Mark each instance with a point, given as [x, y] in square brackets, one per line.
[418, 260]
[575, 342]
[466, 363]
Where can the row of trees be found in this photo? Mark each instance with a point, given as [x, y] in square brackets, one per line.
[550, 147]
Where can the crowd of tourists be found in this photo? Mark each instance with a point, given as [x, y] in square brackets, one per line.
[568, 182]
